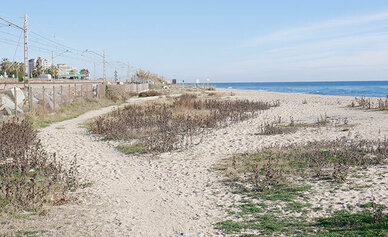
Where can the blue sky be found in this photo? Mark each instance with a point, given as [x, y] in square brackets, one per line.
[298, 40]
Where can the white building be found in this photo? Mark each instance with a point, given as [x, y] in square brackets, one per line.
[64, 69]
[33, 63]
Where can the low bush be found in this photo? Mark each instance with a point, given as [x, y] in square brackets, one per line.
[325, 160]
[273, 128]
[29, 176]
[368, 103]
[149, 93]
[117, 93]
[168, 126]
[274, 198]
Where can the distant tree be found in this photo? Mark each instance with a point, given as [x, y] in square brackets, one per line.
[84, 71]
[21, 70]
[48, 71]
[147, 75]
[72, 71]
[54, 70]
[5, 65]
[38, 71]
[16, 69]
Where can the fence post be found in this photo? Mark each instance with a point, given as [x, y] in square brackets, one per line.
[30, 96]
[69, 98]
[82, 90]
[61, 95]
[54, 100]
[75, 90]
[43, 94]
[16, 100]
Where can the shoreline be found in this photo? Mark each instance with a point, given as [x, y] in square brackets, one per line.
[300, 93]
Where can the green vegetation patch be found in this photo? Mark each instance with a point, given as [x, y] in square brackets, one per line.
[132, 149]
[31, 233]
[272, 186]
[368, 222]
[344, 223]
[265, 224]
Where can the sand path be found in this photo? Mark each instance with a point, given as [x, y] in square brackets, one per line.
[130, 196]
[177, 193]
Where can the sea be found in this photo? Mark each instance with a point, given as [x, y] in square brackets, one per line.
[341, 88]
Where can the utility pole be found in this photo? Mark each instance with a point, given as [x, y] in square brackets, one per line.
[25, 29]
[116, 78]
[52, 63]
[128, 72]
[104, 62]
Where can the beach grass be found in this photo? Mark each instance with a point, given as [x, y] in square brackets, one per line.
[132, 149]
[273, 185]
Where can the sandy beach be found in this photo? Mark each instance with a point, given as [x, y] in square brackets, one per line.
[180, 193]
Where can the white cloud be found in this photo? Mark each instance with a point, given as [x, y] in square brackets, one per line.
[318, 30]
[349, 48]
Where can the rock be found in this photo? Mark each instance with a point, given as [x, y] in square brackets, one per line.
[19, 95]
[8, 106]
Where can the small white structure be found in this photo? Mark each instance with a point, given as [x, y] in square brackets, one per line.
[45, 76]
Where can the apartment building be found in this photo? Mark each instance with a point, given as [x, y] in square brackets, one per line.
[34, 62]
[64, 69]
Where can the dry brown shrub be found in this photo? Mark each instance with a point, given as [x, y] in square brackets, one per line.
[168, 126]
[117, 93]
[28, 174]
[273, 128]
[368, 103]
[323, 160]
[149, 93]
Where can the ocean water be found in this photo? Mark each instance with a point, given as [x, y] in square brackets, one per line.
[342, 88]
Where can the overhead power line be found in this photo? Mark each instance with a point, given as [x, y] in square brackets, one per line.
[41, 43]
[11, 23]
